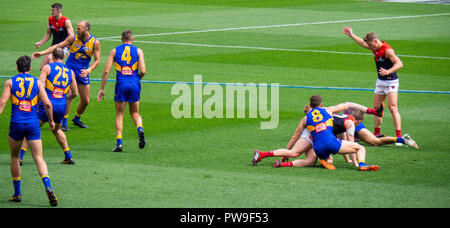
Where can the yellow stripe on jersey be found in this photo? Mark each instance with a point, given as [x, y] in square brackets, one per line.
[119, 68]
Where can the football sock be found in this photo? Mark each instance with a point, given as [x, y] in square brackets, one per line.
[371, 111]
[361, 163]
[139, 128]
[22, 152]
[16, 183]
[77, 117]
[287, 164]
[67, 154]
[46, 181]
[64, 121]
[398, 133]
[377, 131]
[399, 140]
[266, 154]
[119, 140]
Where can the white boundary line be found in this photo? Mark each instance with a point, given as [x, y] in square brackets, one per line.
[283, 25]
[273, 49]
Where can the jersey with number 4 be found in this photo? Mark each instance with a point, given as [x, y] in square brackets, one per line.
[320, 123]
[126, 62]
[58, 82]
[24, 98]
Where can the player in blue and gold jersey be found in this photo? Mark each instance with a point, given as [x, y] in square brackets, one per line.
[25, 92]
[82, 47]
[319, 122]
[59, 80]
[128, 60]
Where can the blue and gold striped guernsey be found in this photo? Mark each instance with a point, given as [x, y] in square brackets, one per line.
[24, 98]
[58, 82]
[126, 62]
[80, 53]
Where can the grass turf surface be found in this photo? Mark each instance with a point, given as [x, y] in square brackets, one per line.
[207, 162]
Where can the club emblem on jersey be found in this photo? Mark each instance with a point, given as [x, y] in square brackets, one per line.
[25, 106]
[57, 93]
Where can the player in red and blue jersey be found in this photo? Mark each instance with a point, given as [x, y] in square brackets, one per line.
[387, 63]
[128, 60]
[25, 91]
[59, 80]
[59, 26]
[82, 47]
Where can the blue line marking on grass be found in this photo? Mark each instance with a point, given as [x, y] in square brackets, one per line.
[268, 85]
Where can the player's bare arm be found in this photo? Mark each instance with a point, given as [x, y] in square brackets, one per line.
[142, 69]
[49, 50]
[5, 95]
[47, 105]
[85, 72]
[348, 31]
[44, 40]
[337, 108]
[398, 64]
[69, 28]
[44, 73]
[297, 133]
[73, 88]
[109, 63]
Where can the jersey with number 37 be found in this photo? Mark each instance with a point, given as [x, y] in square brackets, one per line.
[24, 98]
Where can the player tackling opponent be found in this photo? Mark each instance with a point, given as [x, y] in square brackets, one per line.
[129, 63]
[25, 91]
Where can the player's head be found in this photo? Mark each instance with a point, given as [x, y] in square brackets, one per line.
[83, 28]
[58, 54]
[306, 108]
[127, 36]
[358, 116]
[372, 41]
[23, 64]
[56, 9]
[315, 101]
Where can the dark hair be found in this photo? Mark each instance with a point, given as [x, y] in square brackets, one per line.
[127, 35]
[23, 64]
[57, 6]
[315, 101]
[370, 37]
[58, 53]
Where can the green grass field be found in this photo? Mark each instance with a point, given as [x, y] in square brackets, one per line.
[207, 162]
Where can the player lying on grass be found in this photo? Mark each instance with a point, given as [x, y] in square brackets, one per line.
[358, 111]
[60, 84]
[300, 141]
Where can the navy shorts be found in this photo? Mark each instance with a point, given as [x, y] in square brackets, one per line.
[30, 131]
[359, 128]
[324, 148]
[127, 92]
[80, 80]
[59, 110]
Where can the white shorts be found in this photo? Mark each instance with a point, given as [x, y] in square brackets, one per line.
[307, 135]
[384, 87]
[66, 51]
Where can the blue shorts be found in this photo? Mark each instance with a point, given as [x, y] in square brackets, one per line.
[324, 148]
[359, 128]
[59, 110]
[80, 80]
[127, 92]
[30, 131]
